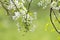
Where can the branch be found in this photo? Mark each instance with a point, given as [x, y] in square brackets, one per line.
[26, 15]
[52, 21]
[15, 5]
[56, 16]
[5, 8]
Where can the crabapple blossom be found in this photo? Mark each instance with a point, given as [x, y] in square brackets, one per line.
[19, 12]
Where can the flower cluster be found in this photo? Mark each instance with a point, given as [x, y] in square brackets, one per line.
[55, 5]
[43, 3]
[18, 11]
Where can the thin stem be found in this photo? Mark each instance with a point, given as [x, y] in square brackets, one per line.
[52, 21]
[56, 16]
[29, 7]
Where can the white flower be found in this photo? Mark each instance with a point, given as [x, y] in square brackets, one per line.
[43, 3]
[39, 4]
[44, 7]
[16, 2]
[11, 6]
[16, 16]
[21, 5]
[56, 8]
[53, 4]
[11, 2]
[28, 16]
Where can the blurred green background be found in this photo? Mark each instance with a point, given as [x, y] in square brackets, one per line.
[44, 30]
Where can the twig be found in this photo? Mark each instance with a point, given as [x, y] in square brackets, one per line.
[56, 16]
[26, 15]
[5, 8]
[15, 5]
[52, 20]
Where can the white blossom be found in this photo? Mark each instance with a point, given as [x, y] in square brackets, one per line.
[16, 16]
[44, 7]
[16, 2]
[53, 4]
[11, 6]
[40, 3]
[21, 5]
[56, 8]
[22, 13]
[11, 2]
